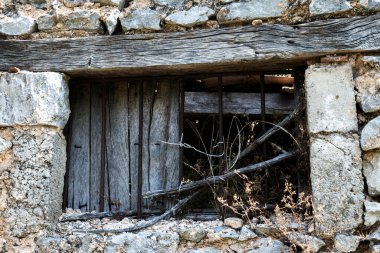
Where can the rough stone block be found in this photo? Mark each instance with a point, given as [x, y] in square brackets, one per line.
[318, 7]
[337, 182]
[36, 180]
[372, 213]
[33, 99]
[370, 137]
[118, 3]
[371, 171]
[346, 243]
[177, 4]
[370, 4]
[330, 99]
[193, 17]
[141, 19]
[4, 145]
[368, 86]
[110, 19]
[86, 20]
[253, 9]
[17, 26]
[306, 242]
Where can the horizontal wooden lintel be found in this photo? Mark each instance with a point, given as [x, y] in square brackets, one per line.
[243, 49]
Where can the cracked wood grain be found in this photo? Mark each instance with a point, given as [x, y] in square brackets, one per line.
[269, 46]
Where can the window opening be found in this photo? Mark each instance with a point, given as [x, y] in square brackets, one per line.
[124, 135]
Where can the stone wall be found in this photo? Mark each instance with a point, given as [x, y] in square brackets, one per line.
[34, 107]
[73, 18]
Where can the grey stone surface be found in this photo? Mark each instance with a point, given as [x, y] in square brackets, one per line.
[330, 99]
[73, 3]
[33, 99]
[178, 4]
[246, 234]
[82, 243]
[372, 59]
[371, 171]
[141, 19]
[370, 136]
[375, 248]
[193, 234]
[222, 233]
[318, 7]
[86, 20]
[20, 25]
[205, 250]
[252, 9]
[46, 22]
[268, 245]
[233, 222]
[306, 242]
[194, 16]
[371, 4]
[372, 213]
[368, 86]
[374, 236]
[110, 19]
[118, 3]
[36, 180]
[4, 145]
[346, 243]
[337, 182]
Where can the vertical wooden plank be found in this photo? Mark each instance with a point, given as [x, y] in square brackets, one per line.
[117, 147]
[172, 168]
[133, 116]
[79, 168]
[95, 150]
[164, 164]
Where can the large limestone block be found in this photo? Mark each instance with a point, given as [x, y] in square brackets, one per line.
[318, 7]
[330, 99]
[17, 26]
[370, 137]
[36, 180]
[253, 9]
[371, 171]
[33, 99]
[337, 182]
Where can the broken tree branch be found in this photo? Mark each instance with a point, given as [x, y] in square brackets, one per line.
[169, 213]
[219, 179]
[269, 133]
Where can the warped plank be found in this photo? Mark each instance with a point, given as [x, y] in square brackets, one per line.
[238, 103]
[118, 147]
[163, 158]
[268, 46]
[79, 167]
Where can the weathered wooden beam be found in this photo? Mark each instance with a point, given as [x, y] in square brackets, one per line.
[237, 103]
[268, 46]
